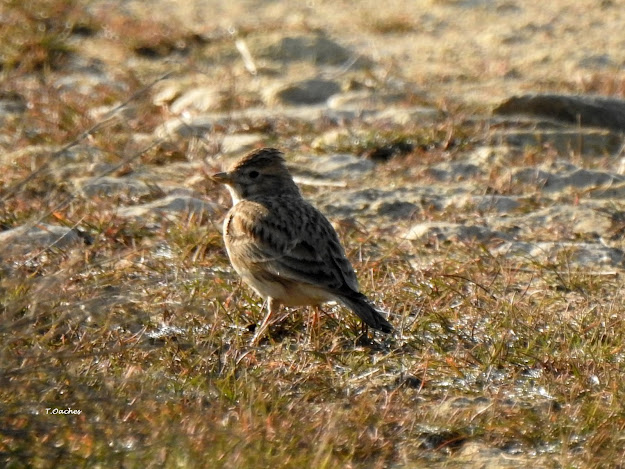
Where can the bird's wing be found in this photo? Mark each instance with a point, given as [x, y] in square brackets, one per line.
[292, 241]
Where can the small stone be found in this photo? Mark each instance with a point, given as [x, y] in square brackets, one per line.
[580, 255]
[23, 240]
[359, 100]
[334, 139]
[203, 124]
[561, 180]
[456, 171]
[86, 82]
[198, 100]
[492, 155]
[110, 186]
[587, 142]
[44, 154]
[596, 61]
[591, 111]
[166, 92]
[11, 103]
[340, 166]
[490, 203]
[396, 209]
[198, 126]
[316, 49]
[443, 231]
[304, 92]
[582, 219]
[170, 205]
[406, 116]
[611, 192]
[239, 143]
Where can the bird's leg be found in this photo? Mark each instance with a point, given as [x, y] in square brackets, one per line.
[363, 338]
[313, 322]
[272, 307]
[315, 316]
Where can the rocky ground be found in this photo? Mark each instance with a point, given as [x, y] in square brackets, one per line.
[430, 132]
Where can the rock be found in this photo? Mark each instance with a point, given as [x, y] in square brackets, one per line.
[384, 151]
[396, 209]
[112, 186]
[569, 254]
[239, 143]
[479, 455]
[596, 61]
[591, 222]
[522, 121]
[611, 192]
[492, 156]
[405, 116]
[241, 120]
[375, 148]
[454, 171]
[342, 116]
[304, 92]
[531, 175]
[588, 111]
[340, 166]
[35, 154]
[11, 103]
[85, 82]
[166, 91]
[198, 126]
[573, 220]
[198, 100]
[44, 154]
[26, 240]
[444, 231]
[489, 203]
[316, 49]
[334, 139]
[126, 111]
[561, 180]
[81, 153]
[369, 100]
[369, 202]
[68, 172]
[378, 108]
[171, 205]
[583, 179]
[585, 142]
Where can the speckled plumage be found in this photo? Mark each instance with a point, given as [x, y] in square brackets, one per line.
[282, 246]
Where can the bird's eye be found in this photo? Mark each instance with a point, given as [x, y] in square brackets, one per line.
[253, 174]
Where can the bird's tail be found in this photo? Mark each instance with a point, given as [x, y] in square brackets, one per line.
[371, 316]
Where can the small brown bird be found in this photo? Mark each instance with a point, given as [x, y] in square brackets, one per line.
[282, 246]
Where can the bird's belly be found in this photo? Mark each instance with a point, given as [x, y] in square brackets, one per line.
[305, 295]
[287, 292]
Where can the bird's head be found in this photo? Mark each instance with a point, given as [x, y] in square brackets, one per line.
[260, 173]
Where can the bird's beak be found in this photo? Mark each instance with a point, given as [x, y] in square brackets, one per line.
[222, 178]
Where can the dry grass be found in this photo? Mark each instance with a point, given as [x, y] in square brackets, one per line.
[144, 330]
[153, 350]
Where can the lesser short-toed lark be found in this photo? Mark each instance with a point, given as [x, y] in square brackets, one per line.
[282, 246]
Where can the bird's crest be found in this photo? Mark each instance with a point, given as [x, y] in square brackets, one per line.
[261, 159]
